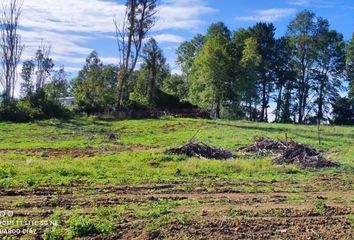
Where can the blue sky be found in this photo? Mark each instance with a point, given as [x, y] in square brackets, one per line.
[76, 27]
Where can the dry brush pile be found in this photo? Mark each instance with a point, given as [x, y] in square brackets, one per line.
[201, 150]
[291, 152]
[287, 152]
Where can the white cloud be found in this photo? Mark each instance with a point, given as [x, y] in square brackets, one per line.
[172, 38]
[299, 2]
[72, 26]
[69, 25]
[182, 14]
[313, 3]
[268, 15]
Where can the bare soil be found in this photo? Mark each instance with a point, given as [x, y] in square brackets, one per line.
[222, 210]
[48, 153]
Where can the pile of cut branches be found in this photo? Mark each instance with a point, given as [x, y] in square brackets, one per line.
[304, 156]
[264, 145]
[301, 155]
[201, 150]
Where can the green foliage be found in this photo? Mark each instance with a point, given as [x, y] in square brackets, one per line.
[187, 52]
[350, 67]
[351, 219]
[343, 111]
[59, 86]
[35, 106]
[7, 171]
[94, 88]
[320, 205]
[54, 233]
[82, 226]
[211, 75]
[153, 72]
[176, 85]
[218, 28]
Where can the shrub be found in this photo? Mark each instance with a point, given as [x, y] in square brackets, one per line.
[84, 226]
[320, 206]
[36, 106]
[54, 233]
[7, 171]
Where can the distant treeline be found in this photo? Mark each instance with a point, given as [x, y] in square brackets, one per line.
[245, 74]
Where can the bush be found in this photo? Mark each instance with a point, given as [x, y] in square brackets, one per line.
[37, 106]
[83, 226]
[54, 233]
[7, 171]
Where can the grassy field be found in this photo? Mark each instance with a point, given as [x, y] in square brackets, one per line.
[76, 182]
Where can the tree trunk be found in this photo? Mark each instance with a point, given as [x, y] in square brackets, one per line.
[320, 104]
[122, 79]
[217, 110]
[264, 101]
[279, 103]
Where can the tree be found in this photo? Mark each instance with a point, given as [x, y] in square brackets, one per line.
[94, 87]
[11, 47]
[343, 111]
[187, 52]
[350, 67]
[153, 71]
[59, 86]
[37, 71]
[175, 85]
[211, 75]
[27, 87]
[302, 34]
[218, 28]
[250, 61]
[44, 65]
[329, 69]
[286, 110]
[263, 33]
[138, 20]
[283, 78]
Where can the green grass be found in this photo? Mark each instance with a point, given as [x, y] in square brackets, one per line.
[147, 163]
[152, 165]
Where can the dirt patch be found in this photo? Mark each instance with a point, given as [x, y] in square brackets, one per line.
[48, 153]
[295, 153]
[204, 214]
[201, 150]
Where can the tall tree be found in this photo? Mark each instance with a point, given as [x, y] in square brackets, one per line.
[138, 20]
[37, 71]
[343, 111]
[58, 87]
[27, 87]
[250, 61]
[174, 84]
[329, 68]
[283, 78]
[187, 52]
[263, 33]
[302, 33]
[211, 75]
[11, 47]
[153, 71]
[44, 65]
[350, 67]
[219, 28]
[94, 87]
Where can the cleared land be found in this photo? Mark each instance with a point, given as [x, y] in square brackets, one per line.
[112, 180]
